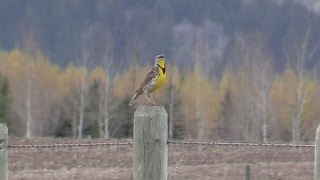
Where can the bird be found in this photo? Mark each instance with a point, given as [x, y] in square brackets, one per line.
[154, 79]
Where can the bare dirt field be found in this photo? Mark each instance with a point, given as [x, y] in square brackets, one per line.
[185, 162]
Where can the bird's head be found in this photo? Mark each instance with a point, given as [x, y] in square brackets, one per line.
[160, 61]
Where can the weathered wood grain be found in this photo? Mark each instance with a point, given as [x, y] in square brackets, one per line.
[150, 156]
[3, 152]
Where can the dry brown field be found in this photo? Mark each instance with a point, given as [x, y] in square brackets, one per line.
[186, 162]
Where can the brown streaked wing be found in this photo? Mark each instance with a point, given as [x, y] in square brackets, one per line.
[150, 75]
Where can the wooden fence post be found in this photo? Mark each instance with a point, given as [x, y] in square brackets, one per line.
[3, 152]
[317, 155]
[248, 174]
[150, 148]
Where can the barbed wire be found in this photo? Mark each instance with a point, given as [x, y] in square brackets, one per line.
[68, 145]
[130, 143]
[208, 143]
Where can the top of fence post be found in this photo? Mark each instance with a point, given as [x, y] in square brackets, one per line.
[150, 110]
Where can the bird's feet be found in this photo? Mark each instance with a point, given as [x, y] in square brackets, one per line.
[152, 104]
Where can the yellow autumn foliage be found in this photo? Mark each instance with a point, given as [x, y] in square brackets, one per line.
[283, 93]
[199, 97]
[196, 97]
[127, 82]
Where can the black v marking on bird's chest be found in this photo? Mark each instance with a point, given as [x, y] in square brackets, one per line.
[162, 68]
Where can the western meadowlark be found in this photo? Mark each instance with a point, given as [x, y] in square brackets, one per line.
[153, 80]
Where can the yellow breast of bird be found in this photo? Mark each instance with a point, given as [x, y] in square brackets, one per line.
[159, 81]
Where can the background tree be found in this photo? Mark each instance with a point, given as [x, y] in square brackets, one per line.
[106, 91]
[200, 104]
[86, 54]
[173, 102]
[260, 74]
[5, 101]
[298, 52]
[226, 127]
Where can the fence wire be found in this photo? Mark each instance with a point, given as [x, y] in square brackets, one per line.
[68, 145]
[208, 143]
[173, 142]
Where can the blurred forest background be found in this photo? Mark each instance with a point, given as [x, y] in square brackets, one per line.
[238, 70]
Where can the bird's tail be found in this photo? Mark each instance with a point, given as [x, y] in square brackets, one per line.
[136, 95]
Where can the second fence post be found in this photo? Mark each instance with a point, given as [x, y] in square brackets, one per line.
[317, 155]
[3, 151]
[150, 148]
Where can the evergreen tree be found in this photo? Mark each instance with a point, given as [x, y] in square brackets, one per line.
[5, 100]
